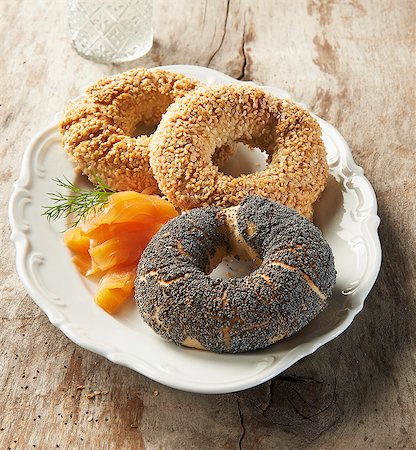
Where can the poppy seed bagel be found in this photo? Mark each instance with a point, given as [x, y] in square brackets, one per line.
[294, 278]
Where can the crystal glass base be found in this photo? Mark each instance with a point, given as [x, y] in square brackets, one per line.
[99, 57]
[111, 31]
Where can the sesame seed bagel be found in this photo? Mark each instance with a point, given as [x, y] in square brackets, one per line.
[182, 148]
[294, 278]
[97, 132]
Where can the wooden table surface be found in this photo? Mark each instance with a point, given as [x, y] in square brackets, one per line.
[353, 63]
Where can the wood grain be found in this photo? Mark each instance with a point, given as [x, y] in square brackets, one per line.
[353, 62]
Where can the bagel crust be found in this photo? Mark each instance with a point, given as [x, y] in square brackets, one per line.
[291, 285]
[97, 132]
[182, 148]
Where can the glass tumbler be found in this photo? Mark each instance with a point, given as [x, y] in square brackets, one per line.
[111, 31]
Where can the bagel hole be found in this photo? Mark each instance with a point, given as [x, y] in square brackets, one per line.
[142, 129]
[244, 161]
[231, 267]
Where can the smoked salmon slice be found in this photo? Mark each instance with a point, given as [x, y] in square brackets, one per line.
[115, 287]
[111, 240]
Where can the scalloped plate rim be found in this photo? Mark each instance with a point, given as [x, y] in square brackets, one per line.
[21, 240]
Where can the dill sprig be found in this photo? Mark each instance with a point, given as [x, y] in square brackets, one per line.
[78, 201]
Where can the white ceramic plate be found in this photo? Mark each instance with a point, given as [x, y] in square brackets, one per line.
[346, 213]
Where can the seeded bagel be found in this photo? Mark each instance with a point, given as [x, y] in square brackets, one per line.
[98, 131]
[293, 281]
[182, 148]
